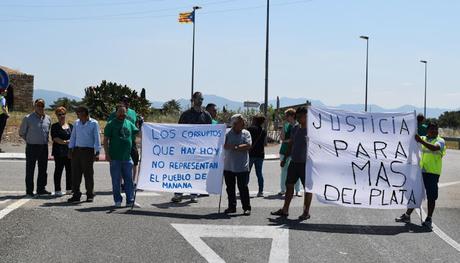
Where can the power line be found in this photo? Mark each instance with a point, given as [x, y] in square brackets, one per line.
[92, 4]
[145, 14]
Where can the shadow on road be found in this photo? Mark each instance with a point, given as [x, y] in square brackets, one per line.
[108, 209]
[11, 197]
[275, 197]
[213, 216]
[348, 229]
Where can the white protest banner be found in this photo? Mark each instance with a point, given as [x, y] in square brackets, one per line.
[362, 159]
[182, 158]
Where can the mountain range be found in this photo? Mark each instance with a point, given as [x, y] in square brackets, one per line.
[50, 96]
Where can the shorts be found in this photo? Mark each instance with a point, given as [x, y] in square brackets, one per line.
[135, 155]
[431, 185]
[295, 172]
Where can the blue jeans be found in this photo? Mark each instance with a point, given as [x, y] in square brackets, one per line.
[118, 170]
[258, 162]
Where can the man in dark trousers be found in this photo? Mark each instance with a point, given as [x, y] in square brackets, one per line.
[195, 115]
[297, 150]
[35, 129]
[84, 147]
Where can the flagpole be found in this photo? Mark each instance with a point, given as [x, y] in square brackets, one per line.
[193, 50]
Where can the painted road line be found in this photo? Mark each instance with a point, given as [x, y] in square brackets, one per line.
[12, 207]
[448, 184]
[442, 235]
[4, 201]
[193, 233]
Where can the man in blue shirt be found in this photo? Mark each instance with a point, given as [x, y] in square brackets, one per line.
[84, 149]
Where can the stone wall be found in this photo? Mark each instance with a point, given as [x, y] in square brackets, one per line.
[23, 91]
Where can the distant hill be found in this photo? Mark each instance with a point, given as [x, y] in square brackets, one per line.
[50, 95]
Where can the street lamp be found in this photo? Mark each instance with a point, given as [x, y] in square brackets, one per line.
[424, 103]
[266, 64]
[367, 67]
[193, 50]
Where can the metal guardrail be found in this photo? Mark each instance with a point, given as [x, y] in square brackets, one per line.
[453, 139]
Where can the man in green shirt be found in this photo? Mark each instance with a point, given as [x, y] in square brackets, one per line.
[119, 135]
[421, 126]
[131, 116]
[211, 108]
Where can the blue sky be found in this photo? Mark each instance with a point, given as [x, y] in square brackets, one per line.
[315, 48]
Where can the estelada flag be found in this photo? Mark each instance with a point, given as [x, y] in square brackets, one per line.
[188, 17]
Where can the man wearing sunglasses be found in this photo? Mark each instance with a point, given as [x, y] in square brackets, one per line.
[195, 115]
[35, 129]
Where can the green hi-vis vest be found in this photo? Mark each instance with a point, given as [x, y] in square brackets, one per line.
[431, 161]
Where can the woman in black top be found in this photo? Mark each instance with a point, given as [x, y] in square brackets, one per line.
[60, 133]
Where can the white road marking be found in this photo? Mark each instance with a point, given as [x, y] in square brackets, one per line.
[193, 233]
[441, 234]
[12, 207]
[4, 201]
[147, 194]
[448, 184]
[138, 193]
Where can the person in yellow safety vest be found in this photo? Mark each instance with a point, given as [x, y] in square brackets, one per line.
[433, 150]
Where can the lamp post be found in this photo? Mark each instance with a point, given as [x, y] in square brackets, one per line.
[424, 102]
[267, 35]
[367, 67]
[193, 49]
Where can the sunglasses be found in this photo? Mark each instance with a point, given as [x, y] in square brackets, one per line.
[61, 114]
[40, 106]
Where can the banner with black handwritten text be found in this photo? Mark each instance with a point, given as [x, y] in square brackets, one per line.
[362, 159]
[182, 158]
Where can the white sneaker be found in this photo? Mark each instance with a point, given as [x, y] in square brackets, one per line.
[136, 205]
[58, 193]
[117, 204]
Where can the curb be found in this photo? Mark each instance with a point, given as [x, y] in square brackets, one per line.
[22, 156]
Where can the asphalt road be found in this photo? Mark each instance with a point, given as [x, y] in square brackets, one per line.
[50, 230]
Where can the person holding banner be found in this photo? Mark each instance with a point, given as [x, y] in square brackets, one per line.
[433, 150]
[195, 115]
[289, 115]
[236, 164]
[297, 150]
[119, 135]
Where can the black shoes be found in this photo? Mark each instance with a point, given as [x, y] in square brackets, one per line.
[43, 192]
[90, 199]
[73, 199]
[230, 211]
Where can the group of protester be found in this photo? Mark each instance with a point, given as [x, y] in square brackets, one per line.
[77, 146]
